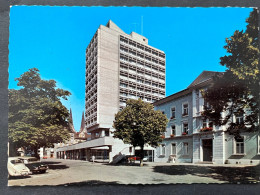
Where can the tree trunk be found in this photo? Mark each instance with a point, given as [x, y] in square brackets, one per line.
[141, 156]
[12, 149]
[35, 149]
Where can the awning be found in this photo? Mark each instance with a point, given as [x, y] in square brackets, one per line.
[145, 148]
[100, 148]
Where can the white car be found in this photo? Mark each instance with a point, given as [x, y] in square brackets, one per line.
[17, 168]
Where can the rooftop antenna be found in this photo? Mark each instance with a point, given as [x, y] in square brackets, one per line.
[142, 25]
[135, 26]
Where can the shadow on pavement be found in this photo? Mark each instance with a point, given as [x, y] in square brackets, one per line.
[125, 164]
[98, 162]
[55, 165]
[248, 174]
[18, 177]
[90, 182]
[50, 162]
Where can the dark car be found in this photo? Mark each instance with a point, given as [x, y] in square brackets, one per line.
[34, 164]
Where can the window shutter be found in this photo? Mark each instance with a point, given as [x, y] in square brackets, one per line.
[244, 144]
[258, 146]
[182, 148]
[234, 145]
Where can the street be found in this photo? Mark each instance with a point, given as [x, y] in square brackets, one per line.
[76, 172]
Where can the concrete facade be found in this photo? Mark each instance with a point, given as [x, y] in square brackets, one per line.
[119, 66]
[204, 142]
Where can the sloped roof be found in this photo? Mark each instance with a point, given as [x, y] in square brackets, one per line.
[173, 96]
[203, 77]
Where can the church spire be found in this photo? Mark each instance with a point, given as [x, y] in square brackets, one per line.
[82, 126]
[71, 126]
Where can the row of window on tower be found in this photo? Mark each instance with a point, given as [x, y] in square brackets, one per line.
[141, 47]
[141, 71]
[141, 64]
[140, 80]
[142, 89]
[152, 86]
[92, 44]
[91, 82]
[142, 56]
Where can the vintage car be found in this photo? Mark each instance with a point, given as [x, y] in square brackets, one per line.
[133, 158]
[34, 164]
[16, 167]
[145, 159]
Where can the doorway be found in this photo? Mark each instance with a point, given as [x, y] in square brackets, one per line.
[207, 149]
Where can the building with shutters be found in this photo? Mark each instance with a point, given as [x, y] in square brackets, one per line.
[191, 138]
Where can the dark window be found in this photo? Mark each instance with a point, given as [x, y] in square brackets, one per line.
[173, 130]
[173, 113]
[185, 109]
[240, 146]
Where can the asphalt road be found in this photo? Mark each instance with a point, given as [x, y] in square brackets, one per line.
[73, 172]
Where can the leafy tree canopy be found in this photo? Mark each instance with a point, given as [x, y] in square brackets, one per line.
[37, 117]
[236, 93]
[139, 124]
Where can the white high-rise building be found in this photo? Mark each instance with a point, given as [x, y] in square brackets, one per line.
[119, 66]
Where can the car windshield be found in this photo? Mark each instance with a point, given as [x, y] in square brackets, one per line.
[28, 160]
[16, 161]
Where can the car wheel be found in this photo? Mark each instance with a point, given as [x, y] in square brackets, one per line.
[43, 171]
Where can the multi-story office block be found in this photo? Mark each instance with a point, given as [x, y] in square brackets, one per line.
[119, 66]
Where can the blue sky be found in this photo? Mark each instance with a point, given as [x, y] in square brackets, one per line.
[54, 39]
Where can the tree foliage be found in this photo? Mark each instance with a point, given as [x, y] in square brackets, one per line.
[237, 91]
[37, 117]
[139, 124]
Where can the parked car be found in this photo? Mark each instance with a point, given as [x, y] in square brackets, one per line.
[16, 167]
[133, 158]
[34, 164]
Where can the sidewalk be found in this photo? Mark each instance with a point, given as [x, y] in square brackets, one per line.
[77, 172]
[200, 164]
[154, 163]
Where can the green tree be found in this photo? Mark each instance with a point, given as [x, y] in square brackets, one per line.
[36, 117]
[139, 124]
[236, 92]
